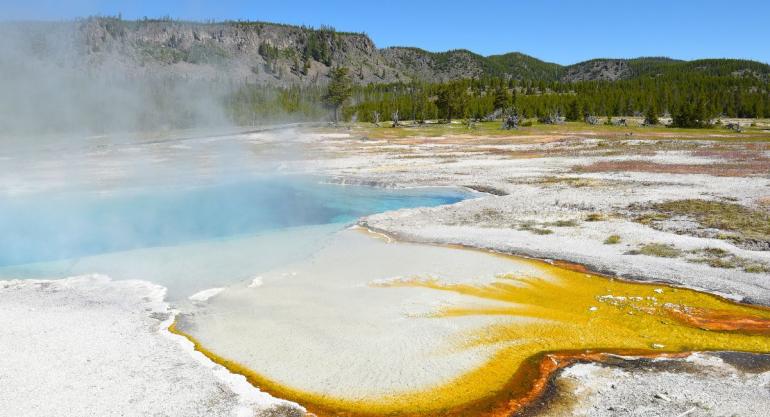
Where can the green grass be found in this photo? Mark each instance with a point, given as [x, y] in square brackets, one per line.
[493, 129]
[612, 240]
[658, 249]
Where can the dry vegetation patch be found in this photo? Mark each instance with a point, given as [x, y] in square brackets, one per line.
[595, 217]
[489, 216]
[657, 249]
[494, 218]
[565, 223]
[720, 258]
[713, 257]
[574, 182]
[746, 227]
[758, 166]
[534, 228]
[741, 152]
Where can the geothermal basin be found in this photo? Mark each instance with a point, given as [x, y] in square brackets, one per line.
[277, 278]
[370, 326]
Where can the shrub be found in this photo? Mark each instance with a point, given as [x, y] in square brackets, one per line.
[565, 223]
[594, 217]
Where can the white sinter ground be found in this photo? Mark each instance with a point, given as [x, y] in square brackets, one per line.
[88, 346]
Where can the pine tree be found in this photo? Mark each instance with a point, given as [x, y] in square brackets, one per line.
[338, 91]
[573, 111]
[502, 99]
[444, 103]
[651, 115]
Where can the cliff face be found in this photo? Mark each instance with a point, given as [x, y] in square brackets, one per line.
[599, 69]
[442, 66]
[253, 52]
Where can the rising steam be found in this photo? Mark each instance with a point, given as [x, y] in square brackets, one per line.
[53, 84]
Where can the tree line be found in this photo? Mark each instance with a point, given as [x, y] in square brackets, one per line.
[691, 99]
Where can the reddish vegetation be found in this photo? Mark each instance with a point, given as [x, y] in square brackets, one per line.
[742, 152]
[741, 160]
[757, 166]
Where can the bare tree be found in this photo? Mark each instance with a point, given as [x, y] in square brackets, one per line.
[376, 118]
[510, 119]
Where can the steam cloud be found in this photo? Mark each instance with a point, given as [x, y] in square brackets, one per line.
[51, 84]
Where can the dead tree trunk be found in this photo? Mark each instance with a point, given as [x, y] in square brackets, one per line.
[376, 118]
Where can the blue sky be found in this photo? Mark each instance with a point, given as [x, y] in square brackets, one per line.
[558, 31]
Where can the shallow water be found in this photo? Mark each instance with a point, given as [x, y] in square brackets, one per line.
[364, 327]
[187, 238]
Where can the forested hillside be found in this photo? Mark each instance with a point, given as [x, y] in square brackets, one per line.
[175, 73]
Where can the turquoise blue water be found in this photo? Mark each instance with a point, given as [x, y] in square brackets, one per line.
[156, 231]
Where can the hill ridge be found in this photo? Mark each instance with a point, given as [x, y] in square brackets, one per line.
[285, 54]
